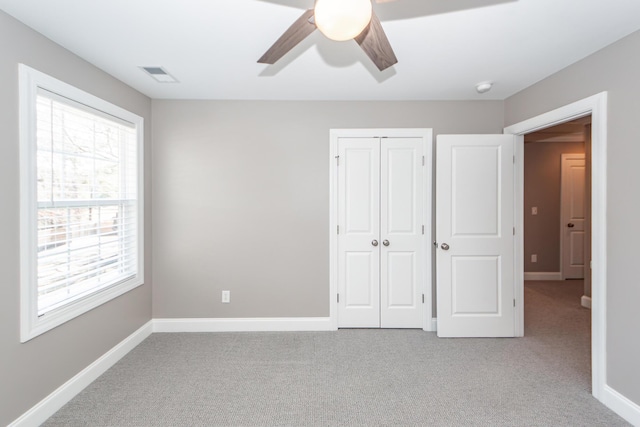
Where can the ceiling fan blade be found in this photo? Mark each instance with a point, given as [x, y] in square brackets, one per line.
[287, 41]
[376, 45]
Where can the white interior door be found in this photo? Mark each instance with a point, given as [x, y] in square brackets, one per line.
[380, 236]
[572, 215]
[474, 232]
[401, 233]
[359, 232]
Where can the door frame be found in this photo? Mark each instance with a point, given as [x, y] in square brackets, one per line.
[596, 106]
[563, 209]
[427, 199]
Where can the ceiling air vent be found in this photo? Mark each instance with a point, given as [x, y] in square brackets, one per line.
[159, 74]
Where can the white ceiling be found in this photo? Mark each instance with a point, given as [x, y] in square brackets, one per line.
[444, 47]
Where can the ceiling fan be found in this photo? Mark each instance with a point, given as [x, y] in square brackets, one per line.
[338, 20]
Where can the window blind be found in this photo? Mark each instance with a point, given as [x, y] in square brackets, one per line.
[87, 200]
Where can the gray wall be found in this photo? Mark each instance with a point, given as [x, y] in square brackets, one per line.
[614, 69]
[241, 198]
[542, 189]
[31, 371]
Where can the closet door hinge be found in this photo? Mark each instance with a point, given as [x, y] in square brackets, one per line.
[423, 229]
[337, 160]
[423, 161]
[423, 298]
[514, 302]
[338, 298]
[337, 229]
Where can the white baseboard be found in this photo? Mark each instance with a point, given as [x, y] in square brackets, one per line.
[67, 391]
[434, 324]
[286, 324]
[621, 405]
[542, 275]
[586, 301]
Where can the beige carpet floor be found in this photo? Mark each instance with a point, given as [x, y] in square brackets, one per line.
[358, 377]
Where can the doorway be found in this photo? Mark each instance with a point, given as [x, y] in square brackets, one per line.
[557, 192]
[596, 106]
[556, 232]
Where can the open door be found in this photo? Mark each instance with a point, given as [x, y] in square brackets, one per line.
[475, 235]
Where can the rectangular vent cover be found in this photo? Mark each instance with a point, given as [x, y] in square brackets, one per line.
[159, 74]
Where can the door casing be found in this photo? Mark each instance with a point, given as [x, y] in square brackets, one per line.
[427, 198]
[596, 106]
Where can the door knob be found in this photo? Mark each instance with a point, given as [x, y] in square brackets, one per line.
[374, 243]
[386, 243]
[571, 225]
[444, 247]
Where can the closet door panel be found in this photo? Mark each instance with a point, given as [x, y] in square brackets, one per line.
[401, 230]
[358, 246]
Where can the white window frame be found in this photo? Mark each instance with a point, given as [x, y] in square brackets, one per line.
[31, 325]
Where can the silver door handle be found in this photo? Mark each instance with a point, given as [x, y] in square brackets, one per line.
[571, 225]
[444, 247]
[374, 243]
[386, 243]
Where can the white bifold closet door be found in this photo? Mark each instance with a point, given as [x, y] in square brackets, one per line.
[380, 247]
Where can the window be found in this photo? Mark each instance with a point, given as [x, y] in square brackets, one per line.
[81, 202]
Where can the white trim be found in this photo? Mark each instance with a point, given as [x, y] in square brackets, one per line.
[518, 222]
[585, 301]
[621, 405]
[543, 275]
[434, 324]
[32, 325]
[67, 391]
[427, 136]
[267, 324]
[595, 105]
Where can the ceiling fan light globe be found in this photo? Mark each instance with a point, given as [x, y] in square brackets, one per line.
[342, 20]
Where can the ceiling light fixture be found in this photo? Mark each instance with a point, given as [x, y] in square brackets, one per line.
[342, 20]
[484, 87]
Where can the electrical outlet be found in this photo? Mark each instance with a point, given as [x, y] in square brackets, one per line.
[534, 210]
[226, 297]
[534, 258]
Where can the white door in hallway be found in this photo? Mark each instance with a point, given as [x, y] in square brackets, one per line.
[380, 240]
[572, 189]
[474, 233]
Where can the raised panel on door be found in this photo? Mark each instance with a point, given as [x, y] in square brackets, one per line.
[358, 214]
[573, 215]
[401, 227]
[474, 230]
